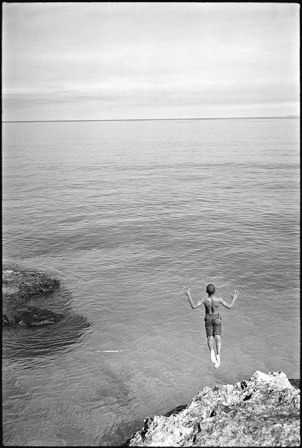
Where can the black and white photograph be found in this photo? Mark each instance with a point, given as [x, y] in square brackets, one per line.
[150, 224]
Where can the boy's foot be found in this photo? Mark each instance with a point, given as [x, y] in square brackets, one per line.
[217, 363]
[213, 357]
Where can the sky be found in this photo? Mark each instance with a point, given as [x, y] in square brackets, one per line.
[116, 60]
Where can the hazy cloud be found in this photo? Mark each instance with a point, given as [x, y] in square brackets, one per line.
[120, 59]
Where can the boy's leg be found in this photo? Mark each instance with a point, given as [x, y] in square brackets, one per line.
[218, 343]
[218, 348]
[211, 348]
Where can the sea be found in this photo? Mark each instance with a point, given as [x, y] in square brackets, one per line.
[125, 214]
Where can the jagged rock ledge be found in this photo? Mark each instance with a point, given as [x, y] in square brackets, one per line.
[264, 411]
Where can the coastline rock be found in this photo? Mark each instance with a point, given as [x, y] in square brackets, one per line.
[263, 411]
[18, 287]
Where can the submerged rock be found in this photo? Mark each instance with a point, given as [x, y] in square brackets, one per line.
[28, 331]
[33, 317]
[18, 287]
[264, 411]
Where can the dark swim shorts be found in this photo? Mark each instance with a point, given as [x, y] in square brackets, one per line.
[213, 325]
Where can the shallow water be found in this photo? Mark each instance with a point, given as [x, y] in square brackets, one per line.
[125, 214]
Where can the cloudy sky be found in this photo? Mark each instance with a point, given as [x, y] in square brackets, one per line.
[73, 61]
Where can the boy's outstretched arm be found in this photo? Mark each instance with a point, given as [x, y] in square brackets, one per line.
[188, 294]
[234, 295]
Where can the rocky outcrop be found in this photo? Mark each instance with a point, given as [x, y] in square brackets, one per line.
[31, 316]
[18, 287]
[264, 411]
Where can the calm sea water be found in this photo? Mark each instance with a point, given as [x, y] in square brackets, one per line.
[124, 214]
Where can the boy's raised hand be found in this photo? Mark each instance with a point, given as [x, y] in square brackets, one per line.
[186, 290]
[235, 294]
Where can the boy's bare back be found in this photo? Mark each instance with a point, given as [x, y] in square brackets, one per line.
[211, 304]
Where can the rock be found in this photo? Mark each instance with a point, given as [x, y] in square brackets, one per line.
[21, 289]
[18, 287]
[176, 410]
[34, 317]
[264, 411]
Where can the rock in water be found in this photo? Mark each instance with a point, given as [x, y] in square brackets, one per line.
[35, 317]
[18, 287]
[264, 411]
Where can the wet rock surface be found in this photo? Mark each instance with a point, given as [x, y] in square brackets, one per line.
[263, 411]
[33, 317]
[18, 288]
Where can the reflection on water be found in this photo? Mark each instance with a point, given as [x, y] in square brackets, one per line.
[24, 342]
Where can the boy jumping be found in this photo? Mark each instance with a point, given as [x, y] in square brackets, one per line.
[212, 318]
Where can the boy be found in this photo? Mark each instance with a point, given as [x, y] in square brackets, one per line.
[212, 318]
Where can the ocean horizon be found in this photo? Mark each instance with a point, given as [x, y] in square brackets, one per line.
[155, 119]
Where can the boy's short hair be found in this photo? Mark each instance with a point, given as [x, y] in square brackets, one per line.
[210, 289]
